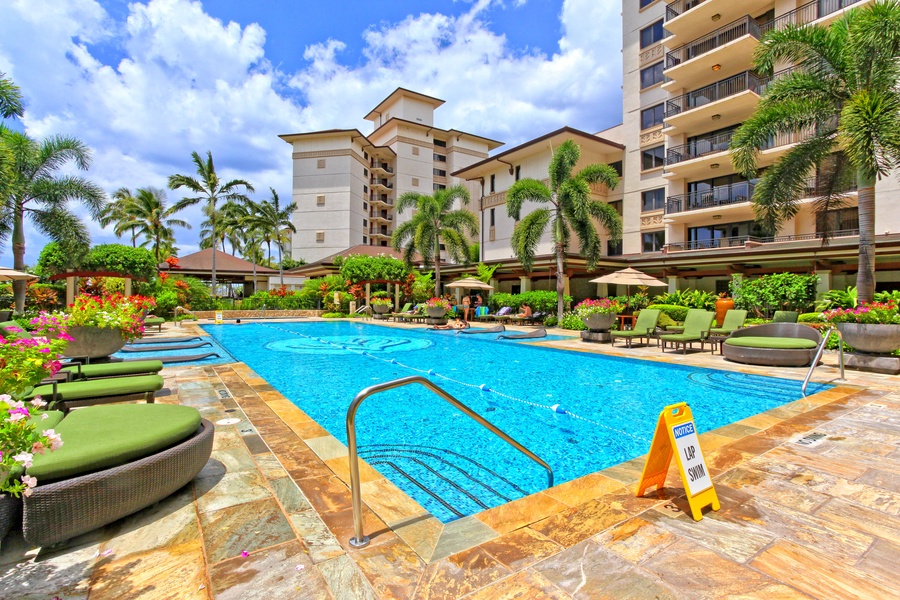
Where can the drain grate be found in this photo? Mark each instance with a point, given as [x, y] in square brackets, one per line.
[811, 439]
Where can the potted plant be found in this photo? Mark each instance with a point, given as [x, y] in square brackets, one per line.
[381, 302]
[23, 364]
[436, 307]
[871, 327]
[599, 315]
[102, 326]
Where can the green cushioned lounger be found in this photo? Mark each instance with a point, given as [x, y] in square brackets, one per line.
[643, 328]
[100, 391]
[115, 369]
[696, 328]
[780, 343]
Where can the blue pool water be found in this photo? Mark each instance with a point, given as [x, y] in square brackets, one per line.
[579, 412]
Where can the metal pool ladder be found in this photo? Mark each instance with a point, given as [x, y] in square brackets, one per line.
[360, 540]
[819, 353]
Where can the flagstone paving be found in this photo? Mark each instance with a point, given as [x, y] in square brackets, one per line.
[269, 516]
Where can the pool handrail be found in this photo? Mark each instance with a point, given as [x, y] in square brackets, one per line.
[821, 351]
[360, 540]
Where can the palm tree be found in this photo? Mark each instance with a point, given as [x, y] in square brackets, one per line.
[572, 209]
[275, 223]
[149, 216]
[118, 212]
[36, 190]
[209, 190]
[842, 93]
[433, 223]
[10, 98]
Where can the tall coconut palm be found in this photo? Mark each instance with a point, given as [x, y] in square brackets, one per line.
[38, 191]
[571, 209]
[150, 218]
[10, 98]
[433, 223]
[118, 211]
[209, 189]
[275, 223]
[843, 91]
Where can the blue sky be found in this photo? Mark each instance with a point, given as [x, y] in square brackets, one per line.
[145, 83]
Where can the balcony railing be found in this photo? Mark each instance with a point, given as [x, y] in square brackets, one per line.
[382, 182]
[679, 7]
[709, 42]
[742, 241]
[721, 195]
[809, 12]
[699, 147]
[748, 80]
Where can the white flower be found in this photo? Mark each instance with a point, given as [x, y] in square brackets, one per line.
[15, 417]
[45, 416]
[5, 398]
[27, 492]
[55, 439]
[24, 458]
[29, 480]
[37, 402]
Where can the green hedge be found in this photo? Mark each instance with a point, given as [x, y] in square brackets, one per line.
[676, 313]
[293, 301]
[813, 317]
[538, 300]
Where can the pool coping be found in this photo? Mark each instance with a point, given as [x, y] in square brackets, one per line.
[566, 513]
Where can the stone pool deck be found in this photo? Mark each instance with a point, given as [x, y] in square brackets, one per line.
[819, 520]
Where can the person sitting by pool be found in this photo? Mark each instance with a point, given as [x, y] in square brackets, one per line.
[525, 312]
[455, 324]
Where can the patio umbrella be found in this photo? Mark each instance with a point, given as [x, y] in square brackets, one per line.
[629, 277]
[7, 274]
[469, 283]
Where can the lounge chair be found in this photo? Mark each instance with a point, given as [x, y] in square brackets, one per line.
[161, 348]
[734, 320]
[773, 344]
[537, 333]
[73, 394]
[494, 329]
[680, 328]
[154, 321]
[643, 328]
[402, 313]
[696, 329]
[114, 369]
[500, 314]
[115, 460]
[785, 316]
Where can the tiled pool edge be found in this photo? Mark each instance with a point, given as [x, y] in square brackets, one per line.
[564, 515]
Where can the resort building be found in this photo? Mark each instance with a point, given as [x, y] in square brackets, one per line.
[688, 85]
[345, 182]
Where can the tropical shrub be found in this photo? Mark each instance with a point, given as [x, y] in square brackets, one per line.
[361, 267]
[56, 258]
[550, 321]
[272, 301]
[779, 291]
[572, 321]
[438, 303]
[813, 317]
[543, 300]
[118, 258]
[676, 313]
[838, 299]
[888, 296]
[688, 298]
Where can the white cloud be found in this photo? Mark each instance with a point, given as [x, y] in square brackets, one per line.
[187, 81]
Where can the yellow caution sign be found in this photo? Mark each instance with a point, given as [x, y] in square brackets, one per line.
[218, 320]
[676, 435]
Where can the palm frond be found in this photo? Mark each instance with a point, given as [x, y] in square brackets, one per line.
[10, 98]
[565, 157]
[597, 173]
[525, 190]
[527, 234]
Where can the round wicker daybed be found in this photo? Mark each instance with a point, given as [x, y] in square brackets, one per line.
[773, 344]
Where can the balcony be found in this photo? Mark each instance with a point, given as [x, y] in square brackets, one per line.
[380, 200]
[383, 169]
[722, 195]
[742, 242]
[729, 100]
[377, 231]
[689, 19]
[383, 184]
[731, 45]
[384, 218]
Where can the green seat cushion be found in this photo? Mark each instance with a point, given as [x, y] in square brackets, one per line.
[680, 337]
[103, 437]
[4, 330]
[154, 320]
[98, 388]
[116, 369]
[52, 420]
[722, 330]
[775, 343]
[631, 333]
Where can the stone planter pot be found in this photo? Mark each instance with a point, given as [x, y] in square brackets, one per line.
[10, 514]
[435, 312]
[872, 339]
[723, 305]
[381, 308]
[599, 322]
[94, 342]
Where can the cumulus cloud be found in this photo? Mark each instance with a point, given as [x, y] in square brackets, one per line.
[181, 80]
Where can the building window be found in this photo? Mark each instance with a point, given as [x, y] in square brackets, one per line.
[365, 172]
[365, 190]
[365, 206]
[365, 240]
[383, 243]
[439, 172]
[617, 167]
[617, 204]
[614, 248]
[320, 164]
[320, 200]
[493, 210]
[440, 143]
[438, 186]
[320, 236]
[653, 158]
[645, 3]
[653, 116]
[652, 34]
[653, 199]
[654, 240]
[440, 157]
[366, 154]
[723, 235]
[518, 171]
[415, 150]
[652, 75]
[843, 219]
[493, 183]
[415, 181]
[365, 222]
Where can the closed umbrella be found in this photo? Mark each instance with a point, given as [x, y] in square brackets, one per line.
[7, 274]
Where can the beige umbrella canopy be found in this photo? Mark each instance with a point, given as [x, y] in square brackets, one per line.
[629, 277]
[469, 283]
[7, 274]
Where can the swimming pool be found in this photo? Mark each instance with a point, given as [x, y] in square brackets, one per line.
[579, 412]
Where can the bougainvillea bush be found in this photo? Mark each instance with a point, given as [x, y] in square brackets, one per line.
[870, 313]
[111, 312]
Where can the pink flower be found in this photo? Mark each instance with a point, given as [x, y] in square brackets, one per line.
[24, 458]
[5, 398]
[45, 416]
[29, 480]
[245, 554]
[38, 448]
[27, 492]
[66, 337]
[14, 417]
[55, 439]
[37, 402]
